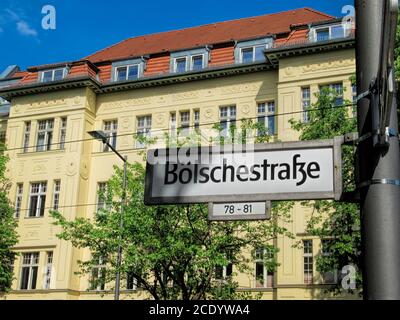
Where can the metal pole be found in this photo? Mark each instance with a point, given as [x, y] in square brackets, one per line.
[121, 226]
[379, 168]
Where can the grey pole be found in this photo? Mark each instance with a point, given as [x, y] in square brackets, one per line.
[121, 227]
[379, 169]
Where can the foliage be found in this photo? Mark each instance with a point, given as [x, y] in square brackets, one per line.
[337, 221]
[173, 251]
[8, 235]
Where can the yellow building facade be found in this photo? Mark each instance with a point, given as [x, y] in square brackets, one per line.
[69, 174]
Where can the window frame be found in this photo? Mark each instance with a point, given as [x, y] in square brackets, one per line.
[53, 72]
[56, 194]
[128, 66]
[144, 130]
[41, 197]
[27, 135]
[34, 259]
[305, 103]
[308, 259]
[189, 56]
[111, 133]
[48, 135]
[63, 132]
[229, 119]
[48, 270]
[19, 192]
[268, 277]
[267, 115]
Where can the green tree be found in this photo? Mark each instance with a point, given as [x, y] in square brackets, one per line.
[336, 222]
[173, 252]
[8, 235]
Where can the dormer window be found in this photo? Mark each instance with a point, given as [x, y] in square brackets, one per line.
[252, 51]
[326, 33]
[192, 60]
[127, 73]
[127, 70]
[53, 75]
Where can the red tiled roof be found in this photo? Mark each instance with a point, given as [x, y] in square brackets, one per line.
[221, 32]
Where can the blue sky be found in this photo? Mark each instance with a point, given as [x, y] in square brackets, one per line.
[85, 26]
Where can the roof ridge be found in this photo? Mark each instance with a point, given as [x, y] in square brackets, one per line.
[204, 25]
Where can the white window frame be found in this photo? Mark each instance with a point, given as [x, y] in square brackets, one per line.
[143, 130]
[101, 203]
[329, 29]
[19, 191]
[333, 272]
[254, 52]
[173, 124]
[192, 57]
[99, 269]
[229, 118]
[48, 270]
[53, 72]
[307, 257]
[56, 194]
[305, 103]
[184, 123]
[128, 66]
[30, 260]
[27, 135]
[176, 63]
[269, 111]
[48, 135]
[41, 194]
[268, 278]
[63, 132]
[110, 128]
[196, 119]
[135, 282]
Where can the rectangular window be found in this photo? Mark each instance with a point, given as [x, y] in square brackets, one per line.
[53, 75]
[56, 194]
[63, 133]
[247, 55]
[306, 103]
[125, 73]
[197, 62]
[172, 124]
[49, 265]
[223, 272]
[337, 88]
[180, 64]
[111, 130]
[266, 117]
[101, 195]
[37, 199]
[196, 119]
[308, 261]
[329, 277]
[98, 279]
[131, 282]
[323, 34]
[27, 134]
[185, 123]
[18, 199]
[337, 32]
[45, 135]
[143, 130]
[252, 54]
[264, 278]
[29, 271]
[227, 120]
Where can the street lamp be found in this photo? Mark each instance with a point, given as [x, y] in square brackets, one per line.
[102, 136]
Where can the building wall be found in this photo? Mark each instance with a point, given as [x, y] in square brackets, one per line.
[82, 164]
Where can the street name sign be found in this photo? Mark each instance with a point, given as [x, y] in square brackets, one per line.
[303, 170]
